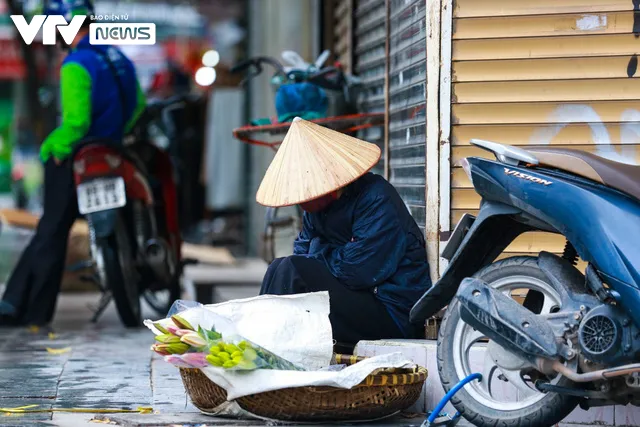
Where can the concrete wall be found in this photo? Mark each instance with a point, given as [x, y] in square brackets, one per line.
[274, 26]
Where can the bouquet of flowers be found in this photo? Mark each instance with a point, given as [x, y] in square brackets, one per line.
[186, 346]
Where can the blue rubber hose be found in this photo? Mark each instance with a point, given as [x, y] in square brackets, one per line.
[450, 394]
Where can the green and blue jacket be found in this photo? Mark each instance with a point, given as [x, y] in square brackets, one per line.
[91, 101]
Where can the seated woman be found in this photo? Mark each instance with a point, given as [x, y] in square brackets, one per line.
[359, 241]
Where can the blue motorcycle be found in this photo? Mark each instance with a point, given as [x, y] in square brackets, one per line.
[545, 336]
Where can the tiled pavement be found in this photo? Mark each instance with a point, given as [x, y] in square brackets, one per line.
[107, 367]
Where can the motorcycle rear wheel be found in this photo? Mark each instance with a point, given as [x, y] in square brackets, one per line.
[115, 259]
[457, 340]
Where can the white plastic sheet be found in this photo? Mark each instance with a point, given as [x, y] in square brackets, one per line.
[295, 327]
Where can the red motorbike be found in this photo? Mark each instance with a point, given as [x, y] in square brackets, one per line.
[127, 193]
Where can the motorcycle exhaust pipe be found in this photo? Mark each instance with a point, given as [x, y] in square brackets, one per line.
[603, 374]
[507, 323]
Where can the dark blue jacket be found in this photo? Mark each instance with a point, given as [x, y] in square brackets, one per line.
[369, 241]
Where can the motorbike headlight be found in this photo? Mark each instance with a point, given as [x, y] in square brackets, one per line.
[466, 166]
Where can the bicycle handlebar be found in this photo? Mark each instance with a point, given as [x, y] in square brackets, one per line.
[241, 66]
[254, 65]
[329, 78]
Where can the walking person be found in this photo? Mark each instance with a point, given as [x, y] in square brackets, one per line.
[100, 99]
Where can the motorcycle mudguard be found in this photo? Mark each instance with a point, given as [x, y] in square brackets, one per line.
[506, 322]
[492, 231]
[103, 222]
[568, 282]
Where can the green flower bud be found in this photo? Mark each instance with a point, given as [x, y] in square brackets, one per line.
[215, 361]
[167, 338]
[177, 348]
[181, 322]
[224, 356]
[160, 349]
[230, 348]
[161, 328]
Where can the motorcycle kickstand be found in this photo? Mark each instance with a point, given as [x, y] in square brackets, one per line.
[105, 299]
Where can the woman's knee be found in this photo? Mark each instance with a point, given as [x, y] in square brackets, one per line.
[279, 278]
[302, 263]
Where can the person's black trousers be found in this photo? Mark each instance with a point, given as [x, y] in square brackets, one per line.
[355, 315]
[35, 282]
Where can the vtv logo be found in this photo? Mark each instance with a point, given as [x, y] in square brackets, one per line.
[28, 32]
[122, 34]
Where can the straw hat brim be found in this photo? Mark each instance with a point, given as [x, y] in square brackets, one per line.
[314, 161]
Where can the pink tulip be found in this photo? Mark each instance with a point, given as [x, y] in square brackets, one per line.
[196, 360]
[172, 329]
[176, 360]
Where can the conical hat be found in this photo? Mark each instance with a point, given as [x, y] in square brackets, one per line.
[313, 161]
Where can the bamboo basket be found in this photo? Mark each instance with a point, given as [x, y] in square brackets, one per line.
[383, 393]
[204, 394]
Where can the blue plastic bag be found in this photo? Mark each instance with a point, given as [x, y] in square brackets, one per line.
[300, 98]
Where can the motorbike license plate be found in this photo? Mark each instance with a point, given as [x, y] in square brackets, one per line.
[101, 194]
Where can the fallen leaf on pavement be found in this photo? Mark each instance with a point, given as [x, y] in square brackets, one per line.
[58, 350]
[104, 421]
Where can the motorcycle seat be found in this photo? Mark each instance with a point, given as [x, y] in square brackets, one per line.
[621, 176]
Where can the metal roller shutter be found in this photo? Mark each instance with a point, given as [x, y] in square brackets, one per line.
[342, 23]
[370, 31]
[407, 103]
[550, 72]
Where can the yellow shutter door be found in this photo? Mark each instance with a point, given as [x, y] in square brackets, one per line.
[549, 72]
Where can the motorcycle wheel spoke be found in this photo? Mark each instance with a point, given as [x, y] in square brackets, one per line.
[471, 339]
[547, 305]
[516, 380]
[488, 370]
